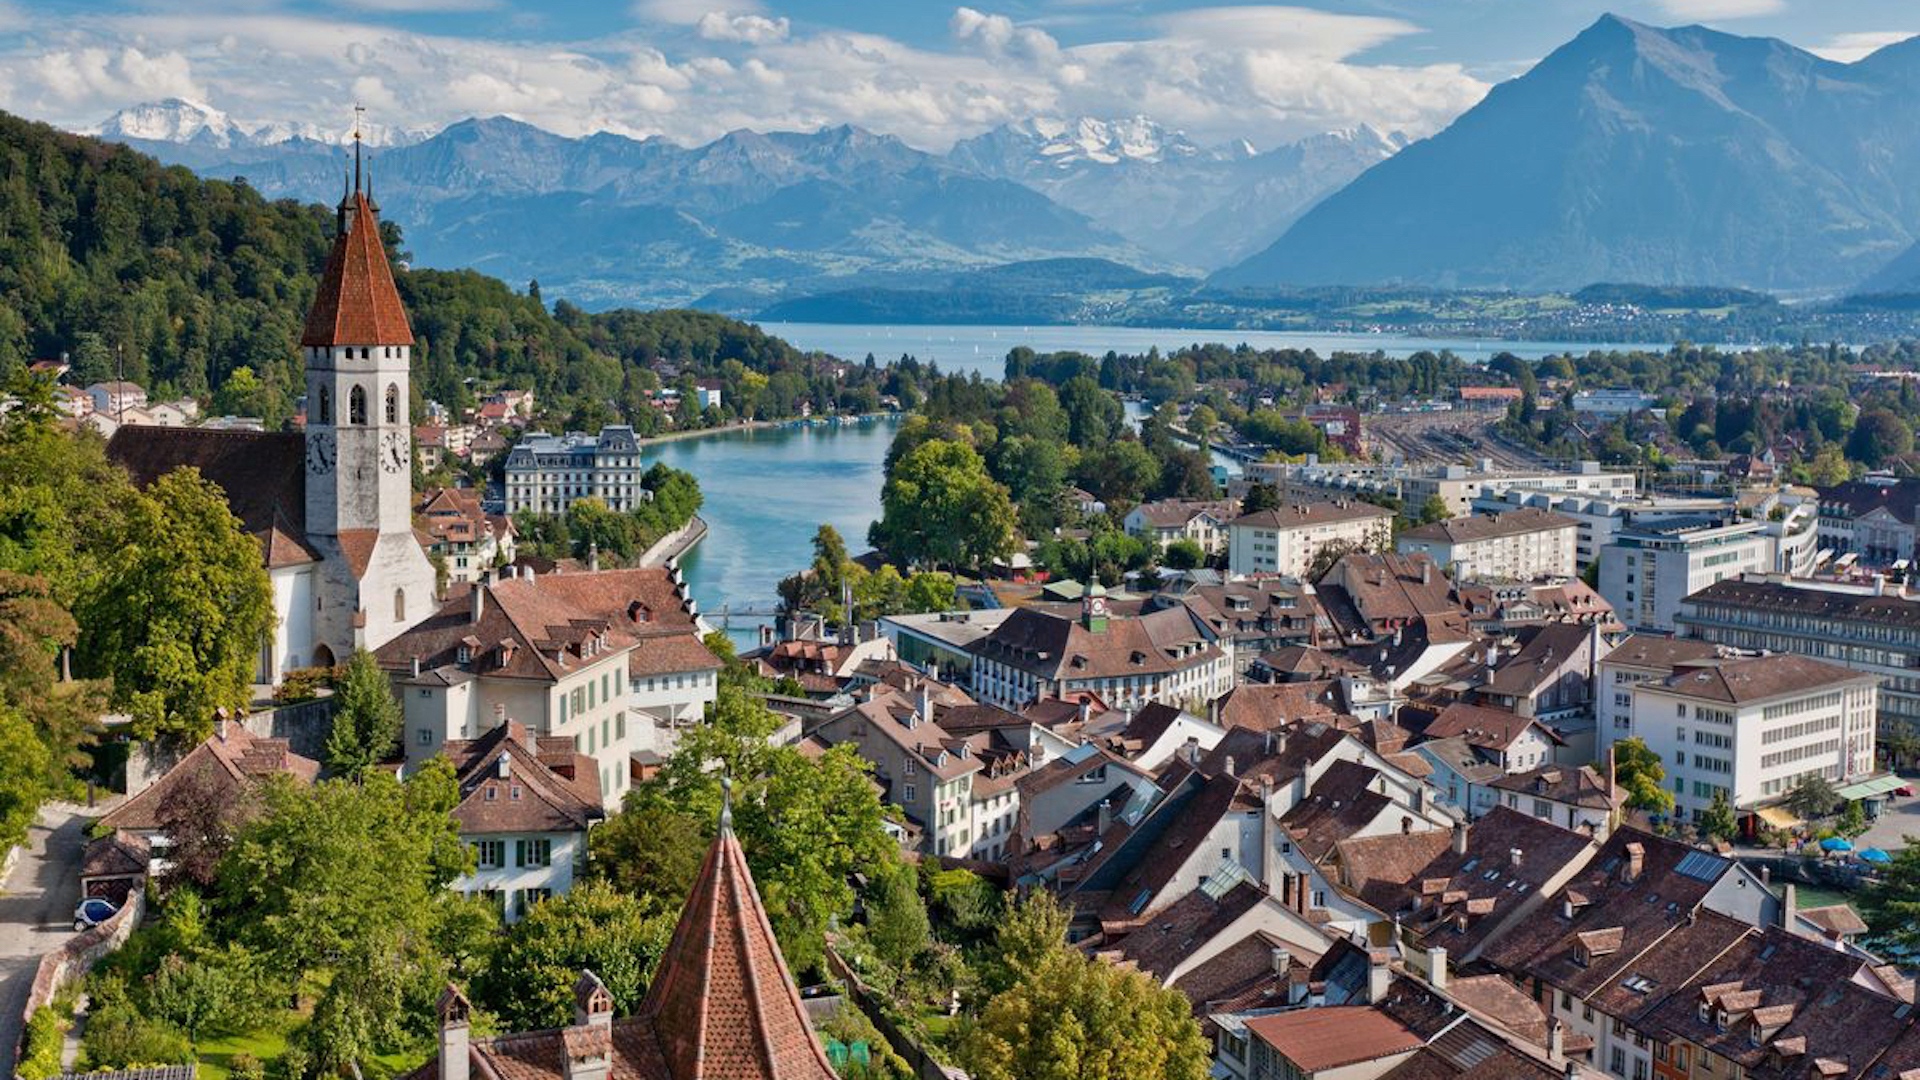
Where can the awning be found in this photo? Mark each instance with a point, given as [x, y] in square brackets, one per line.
[1779, 817]
[1868, 789]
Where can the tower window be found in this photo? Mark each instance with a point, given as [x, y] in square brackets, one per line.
[357, 406]
[393, 403]
[325, 409]
[399, 605]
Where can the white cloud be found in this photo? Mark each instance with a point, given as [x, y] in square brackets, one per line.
[1710, 10]
[690, 12]
[1847, 48]
[746, 29]
[1267, 74]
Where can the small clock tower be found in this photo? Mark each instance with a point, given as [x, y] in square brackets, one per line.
[359, 484]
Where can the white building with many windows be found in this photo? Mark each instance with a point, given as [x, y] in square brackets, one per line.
[548, 473]
[1285, 540]
[1752, 728]
[1168, 656]
[1646, 572]
[1519, 545]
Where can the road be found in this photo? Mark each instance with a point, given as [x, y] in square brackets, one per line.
[36, 912]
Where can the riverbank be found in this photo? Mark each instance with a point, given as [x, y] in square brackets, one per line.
[670, 547]
[764, 425]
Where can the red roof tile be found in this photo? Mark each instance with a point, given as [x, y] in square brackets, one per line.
[357, 303]
[1332, 1036]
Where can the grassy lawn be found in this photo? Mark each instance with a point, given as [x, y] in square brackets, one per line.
[268, 1041]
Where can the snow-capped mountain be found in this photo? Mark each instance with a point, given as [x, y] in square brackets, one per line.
[1203, 206]
[195, 123]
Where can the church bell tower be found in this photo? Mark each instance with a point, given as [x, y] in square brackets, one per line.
[357, 347]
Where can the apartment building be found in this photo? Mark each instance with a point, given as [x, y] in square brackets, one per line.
[526, 804]
[549, 473]
[1168, 656]
[1876, 519]
[1285, 540]
[1752, 728]
[1640, 658]
[1519, 545]
[1168, 520]
[1646, 572]
[1456, 485]
[1868, 628]
[1597, 517]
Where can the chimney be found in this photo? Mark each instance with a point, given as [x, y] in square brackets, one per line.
[1636, 858]
[1460, 838]
[1766, 875]
[527, 573]
[1085, 712]
[1379, 976]
[1789, 906]
[1572, 1071]
[1281, 960]
[1105, 819]
[926, 702]
[592, 1002]
[1556, 1040]
[1213, 712]
[1437, 967]
[1229, 770]
[1513, 857]
[499, 713]
[220, 724]
[593, 556]
[416, 666]
[1426, 572]
[477, 598]
[454, 1031]
[505, 769]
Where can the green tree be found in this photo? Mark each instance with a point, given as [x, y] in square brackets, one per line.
[1201, 422]
[930, 591]
[178, 619]
[366, 717]
[1094, 416]
[896, 918]
[939, 506]
[1879, 434]
[1718, 820]
[528, 981]
[25, 764]
[1638, 771]
[1812, 798]
[1121, 471]
[1078, 1018]
[1184, 554]
[649, 850]
[1434, 509]
[1035, 926]
[1891, 905]
[1261, 497]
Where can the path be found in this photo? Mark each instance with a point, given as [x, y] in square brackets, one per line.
[36, 911]
[676, 543]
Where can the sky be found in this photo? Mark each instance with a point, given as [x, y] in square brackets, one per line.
[927, 71]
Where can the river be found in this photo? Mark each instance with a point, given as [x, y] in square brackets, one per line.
[767, 490]
[984, 348]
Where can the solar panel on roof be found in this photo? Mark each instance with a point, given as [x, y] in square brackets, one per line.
[1701, 866]
[1222, 881]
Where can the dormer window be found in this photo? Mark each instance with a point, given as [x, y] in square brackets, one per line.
[1753, 1035]
[464, 655]
[1720, 1019]
[1705, 1012]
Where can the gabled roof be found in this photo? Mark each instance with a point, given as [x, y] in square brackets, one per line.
[1460, 898]
[263, 474]
[1332, 1036]
[1490, 729]
[1323, 512]
[356, 302]
[233, 756]
[546, 786]
[1660, 653]
[1577, 786]
[722, 1002]
[1378, 868]
[1053, 647]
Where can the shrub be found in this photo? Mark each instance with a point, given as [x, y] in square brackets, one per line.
[246, 1067]
[118, 1036]
[302, 684]
[46, 1033]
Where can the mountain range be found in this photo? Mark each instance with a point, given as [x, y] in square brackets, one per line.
[1631, 153]
[753, 218]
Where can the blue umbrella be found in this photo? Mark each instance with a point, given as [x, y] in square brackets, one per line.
[1874, 855]
[1834, 843]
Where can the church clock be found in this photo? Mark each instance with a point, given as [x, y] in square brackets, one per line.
[394, 451]
[319, 452]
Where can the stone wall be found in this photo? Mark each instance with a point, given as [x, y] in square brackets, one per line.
[77, 957]
[305, 726]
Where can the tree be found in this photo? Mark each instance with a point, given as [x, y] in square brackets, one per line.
[1261, 496]
[1891, 905]
[1718, 820]
[1201, 422]
[528, 981]
[199, 818]
[1329, 553]
[1120, 471]
[1077, 1018]
[1184, 554]
[928, 591]
[1094, 416]
[896, 918]
[1034, 927]
[1638, 771]
[649, 850]
[1812, 798]
[178, 619]
[25, 764]
[366, 717]
[1878, 435]
[1433, 510]
[939, 506]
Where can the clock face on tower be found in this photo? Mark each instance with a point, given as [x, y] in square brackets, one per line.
[320, 453]
[394, 451]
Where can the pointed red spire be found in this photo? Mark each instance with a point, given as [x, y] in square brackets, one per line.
[723, 1005]
[357, 303]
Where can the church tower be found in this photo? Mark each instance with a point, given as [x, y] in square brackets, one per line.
[359, 484]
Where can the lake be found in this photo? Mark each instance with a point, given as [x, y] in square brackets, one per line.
[984, 348]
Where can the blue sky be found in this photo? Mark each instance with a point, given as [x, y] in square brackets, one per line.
[927, 71]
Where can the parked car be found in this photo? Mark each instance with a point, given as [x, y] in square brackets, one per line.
[1905, 791]
[92, 912]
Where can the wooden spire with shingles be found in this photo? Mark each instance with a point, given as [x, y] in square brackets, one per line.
[357, 302]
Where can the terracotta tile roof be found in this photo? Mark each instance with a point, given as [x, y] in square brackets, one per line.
[1835, 919]
[1178, 930]
[1377, 868]
[1491, 729]
[1057, 648]
[1858, 498]
[1307, 661]
[1739, 681]
[1339, 804]
[1494, 998]
[1395, 588]
[1580, 786]
[722, 1002]
[119, 854]
[263, 474]
[1460, 899]
[1264, 706]
[546, 787]
[1323, 512]
[1174, 513]
[238, 758]
[1333, 1036]
[1241, 976]
[356, 302]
